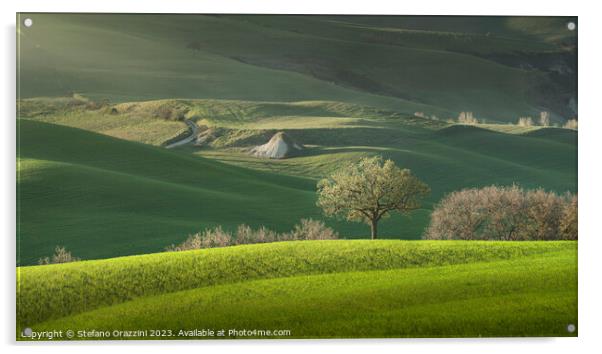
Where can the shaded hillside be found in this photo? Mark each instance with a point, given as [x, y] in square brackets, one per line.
[103, 197]
[437, 65]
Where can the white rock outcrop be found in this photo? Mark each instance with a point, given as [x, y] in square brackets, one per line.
[280, 146]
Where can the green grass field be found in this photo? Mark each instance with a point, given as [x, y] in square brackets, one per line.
[131, 198]
[104, 197]
[101, 96]
[316, 289]
[390, 63]
[73, 112]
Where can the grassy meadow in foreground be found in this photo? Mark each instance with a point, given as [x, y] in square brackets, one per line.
[317, 289]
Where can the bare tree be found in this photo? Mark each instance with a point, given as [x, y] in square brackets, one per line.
[458, 216]
[544, 214]
[571, 124]
[506, 209]
[525, 122]
[568, 223]
[467, 118]
[544, 119]
[61, 255]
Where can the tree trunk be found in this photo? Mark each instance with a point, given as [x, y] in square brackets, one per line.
[373, 228]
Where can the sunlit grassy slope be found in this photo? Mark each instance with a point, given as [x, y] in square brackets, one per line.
[316, 289]
[448, 159]
[75, 112]
[387, 62]
[104, 197]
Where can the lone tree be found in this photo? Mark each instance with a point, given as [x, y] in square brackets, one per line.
[369, 191]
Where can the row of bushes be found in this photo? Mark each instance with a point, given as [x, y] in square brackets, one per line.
[61, 255]
[490, 213]
[504, 213]
[307, 229]
[544, 120]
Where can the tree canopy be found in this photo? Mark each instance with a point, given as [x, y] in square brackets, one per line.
[370, 190]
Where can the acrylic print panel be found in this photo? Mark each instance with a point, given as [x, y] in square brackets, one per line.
[265, 177]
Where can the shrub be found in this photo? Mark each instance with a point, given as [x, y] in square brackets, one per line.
[568, 222]
[264, 235]
[570, 124]
[525, 122]
[504, 213]
[307, 229]
[467, 118]
[544, 119]
[216, 238]
[61, 255]
[96, 105]
[246, 235]
[164, 112]
[210, 238]
[458, 216]
[168, 112]
[544, 213]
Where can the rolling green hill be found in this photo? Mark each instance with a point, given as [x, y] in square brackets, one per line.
[448, 157]
[316, 289]
[345, 87]
[79, 112]
[499, 68]
[104, 197]
[101, 99]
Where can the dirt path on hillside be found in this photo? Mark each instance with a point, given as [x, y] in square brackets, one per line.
[194, 129]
